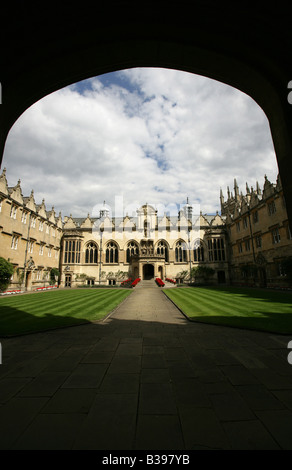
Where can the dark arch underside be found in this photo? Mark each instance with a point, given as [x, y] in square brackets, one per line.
[43, 50]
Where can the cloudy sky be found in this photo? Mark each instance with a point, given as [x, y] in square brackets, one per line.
[136, 136]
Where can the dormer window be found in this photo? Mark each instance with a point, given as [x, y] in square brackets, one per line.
[13, 212]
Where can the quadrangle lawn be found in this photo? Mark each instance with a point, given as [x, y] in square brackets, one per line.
[33, 312]
[259, 309]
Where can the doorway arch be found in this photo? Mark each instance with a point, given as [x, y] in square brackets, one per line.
[28, 280]
[68, 280]
[221, 278]
[148, 271]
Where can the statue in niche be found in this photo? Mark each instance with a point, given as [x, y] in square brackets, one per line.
[146, 229]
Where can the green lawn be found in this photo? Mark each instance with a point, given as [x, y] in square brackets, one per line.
[257, 309]
[34, 312]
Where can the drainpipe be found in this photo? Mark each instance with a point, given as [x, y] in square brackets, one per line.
[251, 235]
[190, 254]
[100, 254]
[252, 242]
[23, 286]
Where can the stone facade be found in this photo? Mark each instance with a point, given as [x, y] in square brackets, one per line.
[258, 233]
[109, 250]
[245, 245]
[30, 237]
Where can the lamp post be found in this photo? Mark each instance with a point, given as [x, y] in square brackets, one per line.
[190, 253]
[100, 254]
[251, 234]
[25, 256]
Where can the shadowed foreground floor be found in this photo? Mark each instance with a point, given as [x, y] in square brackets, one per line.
[146, 379]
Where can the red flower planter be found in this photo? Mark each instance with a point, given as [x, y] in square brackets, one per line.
[171, 280]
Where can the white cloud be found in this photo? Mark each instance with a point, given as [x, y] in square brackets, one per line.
[150, 135]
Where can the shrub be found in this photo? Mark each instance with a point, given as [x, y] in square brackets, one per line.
[170, 280]
[6, 271]
[54, 273]
[204, 272]
[287, 265]
[126, 282]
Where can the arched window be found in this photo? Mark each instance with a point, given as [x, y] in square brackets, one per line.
[91, 253]
[199, 252]
[162, 249]
[181, 252]
[112, 253]
[132, 249]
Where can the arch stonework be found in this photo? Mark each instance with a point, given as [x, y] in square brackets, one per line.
[248, 48]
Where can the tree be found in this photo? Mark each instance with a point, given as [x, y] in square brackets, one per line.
[6, 271]
[54, 273]
[287, 266]
[204, 272]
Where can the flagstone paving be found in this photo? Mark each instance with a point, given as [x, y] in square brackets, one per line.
[146, 379]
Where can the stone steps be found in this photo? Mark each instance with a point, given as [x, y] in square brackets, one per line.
[152, 283]
[146, 283]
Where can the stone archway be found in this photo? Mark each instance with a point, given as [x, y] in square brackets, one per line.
[148, 271]
[210, 42]
[28, 280]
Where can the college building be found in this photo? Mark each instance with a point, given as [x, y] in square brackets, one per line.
[258, 233]
[143, 246]
[245, 245]
[30, 237]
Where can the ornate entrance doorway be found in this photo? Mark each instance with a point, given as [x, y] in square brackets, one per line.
[68, 280]
[148, 271]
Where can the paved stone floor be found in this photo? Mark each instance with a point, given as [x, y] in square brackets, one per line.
[146, 379]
